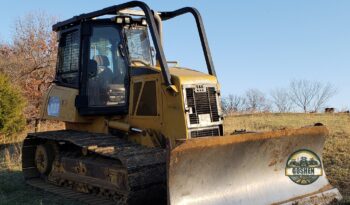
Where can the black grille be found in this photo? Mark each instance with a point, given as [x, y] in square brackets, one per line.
[205, 133]
[68, 58]
[213, 105]
[202, 103]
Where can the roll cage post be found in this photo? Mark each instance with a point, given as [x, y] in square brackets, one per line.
[153, 30]
[201, 31]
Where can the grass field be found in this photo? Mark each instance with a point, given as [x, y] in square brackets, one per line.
[336, 155]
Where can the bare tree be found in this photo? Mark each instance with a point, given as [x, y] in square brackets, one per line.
[256, 101]
[325, 92]
[302, 93]
[310, 95]
[281, 99]
[232, 104]
[35, 40]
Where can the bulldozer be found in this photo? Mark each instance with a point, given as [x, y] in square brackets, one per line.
[139, 131]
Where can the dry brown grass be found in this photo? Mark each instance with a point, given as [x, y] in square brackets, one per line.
[44, 125]
[336, 155]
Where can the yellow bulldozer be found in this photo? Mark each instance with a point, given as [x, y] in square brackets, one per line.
[141, 132]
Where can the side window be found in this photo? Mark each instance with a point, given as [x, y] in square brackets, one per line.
[107, 73]
[145, 98]
[68, 58]
[148, 100]
[139, 45]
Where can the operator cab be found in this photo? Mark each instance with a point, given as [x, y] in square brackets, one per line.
[104, 49]
[98, 55]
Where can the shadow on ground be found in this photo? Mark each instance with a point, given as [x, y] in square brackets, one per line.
[13, 189]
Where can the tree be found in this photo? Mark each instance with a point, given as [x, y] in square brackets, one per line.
[30, 59]
[310, 95]
[232, 104]
[35, 40]
[11, 106]
[256, 101]
[326, 92]
[281, 99]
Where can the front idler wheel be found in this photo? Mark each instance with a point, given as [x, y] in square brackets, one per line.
[44, 156]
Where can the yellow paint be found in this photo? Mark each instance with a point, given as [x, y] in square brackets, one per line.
[67, 110]
[145, 140]
[169, 122]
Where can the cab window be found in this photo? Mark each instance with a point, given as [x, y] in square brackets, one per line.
[107, 69]
[139, 47]
[68, 59]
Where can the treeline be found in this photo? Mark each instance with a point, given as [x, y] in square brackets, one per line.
[300, 95]
[27, 67]
[28, 59]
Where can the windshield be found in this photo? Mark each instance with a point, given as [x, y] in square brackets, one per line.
[138, 45]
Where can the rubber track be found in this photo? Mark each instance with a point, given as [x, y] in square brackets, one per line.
[145, 166]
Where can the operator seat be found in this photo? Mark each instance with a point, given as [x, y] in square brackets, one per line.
[102, 62]
[98, 84]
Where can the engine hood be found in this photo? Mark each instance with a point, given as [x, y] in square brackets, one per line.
[188, 76]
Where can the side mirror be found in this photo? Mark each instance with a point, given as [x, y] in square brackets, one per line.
[92, 69]
[153, 55]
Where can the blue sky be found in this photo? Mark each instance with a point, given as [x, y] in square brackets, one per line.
[254, 44]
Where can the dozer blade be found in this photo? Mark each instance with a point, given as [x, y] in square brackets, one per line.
[246, 169]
